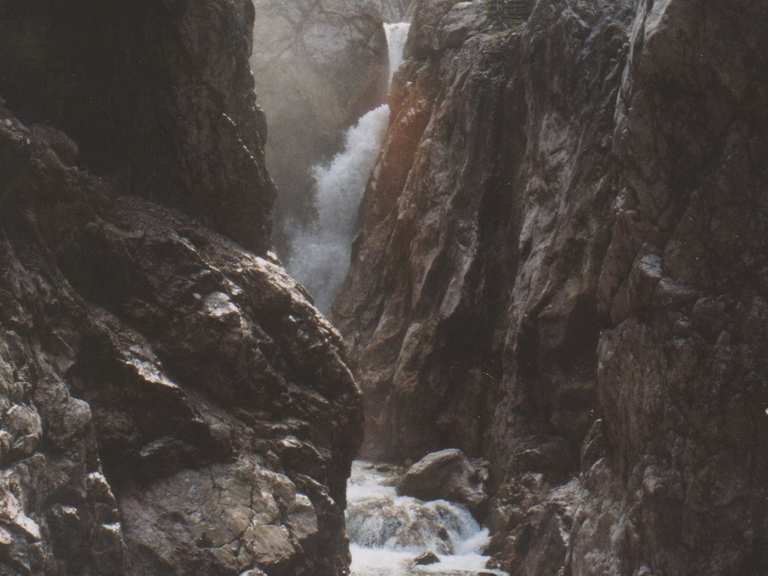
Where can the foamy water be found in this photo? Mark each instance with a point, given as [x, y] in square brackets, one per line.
[388, 531]
[397, 36]
[321, 253]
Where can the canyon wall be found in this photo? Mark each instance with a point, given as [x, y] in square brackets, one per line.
[120, 79]
[561, 267]
[170, 402]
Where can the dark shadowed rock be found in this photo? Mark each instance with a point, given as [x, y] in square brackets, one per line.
[175, 378]
[156, 95]
[445, 475]
[170, 402]
[561, 267]
[426, 559]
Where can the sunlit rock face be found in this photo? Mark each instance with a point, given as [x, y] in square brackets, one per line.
[561, 267]
[319, 66]
[170, 402]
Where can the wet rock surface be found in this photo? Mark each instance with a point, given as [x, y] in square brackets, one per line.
[170, 402]
[445, 475]
[319, 66]
[561, 268]
[378, 522]
[426, 559]
[387, 532]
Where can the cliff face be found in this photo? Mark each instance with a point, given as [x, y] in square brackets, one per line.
[120, 79]
[319, 66]
[170, 403]
[562, 267]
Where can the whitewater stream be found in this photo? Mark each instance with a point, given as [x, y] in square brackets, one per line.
[321, 253]
[387, 531]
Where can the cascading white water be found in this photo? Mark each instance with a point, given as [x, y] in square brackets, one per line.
[397, 35]
[320, 254]
[388, 531]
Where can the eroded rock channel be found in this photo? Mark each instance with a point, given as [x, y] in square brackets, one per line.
[523, 329]
[393, 533]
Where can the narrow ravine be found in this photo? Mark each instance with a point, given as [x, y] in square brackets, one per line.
[321, 253]
[387, 532]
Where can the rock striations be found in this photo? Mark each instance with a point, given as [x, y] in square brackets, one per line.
[170, 402]
[562, 267]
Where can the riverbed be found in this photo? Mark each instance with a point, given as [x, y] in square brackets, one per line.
[387, 532]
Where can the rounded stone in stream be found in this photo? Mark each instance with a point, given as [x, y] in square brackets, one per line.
[445, 475]
[381, 522]
[426, 559]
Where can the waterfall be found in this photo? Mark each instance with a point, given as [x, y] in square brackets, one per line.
[397, 35]
[388, 531]
[321, 253]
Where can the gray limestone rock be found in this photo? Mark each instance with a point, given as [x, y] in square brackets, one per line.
[170, 402]
[561, 267]
[445, 475]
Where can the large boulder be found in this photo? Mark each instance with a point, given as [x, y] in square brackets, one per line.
[170, 402]
[445, 475]
[383, 522]
[319, 65]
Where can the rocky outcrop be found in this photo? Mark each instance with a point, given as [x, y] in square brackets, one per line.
[445, 475]
[562, 267]
[157, 96]
[319, 66]
[170, 402]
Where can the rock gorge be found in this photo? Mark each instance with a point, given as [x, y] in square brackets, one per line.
[561, 268]
[170, 401]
